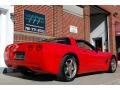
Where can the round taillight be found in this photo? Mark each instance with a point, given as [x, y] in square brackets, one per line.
[38, 47]
[12, 47]
[30, 47]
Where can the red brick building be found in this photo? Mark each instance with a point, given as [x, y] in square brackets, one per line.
[57, 21]
[75, 21]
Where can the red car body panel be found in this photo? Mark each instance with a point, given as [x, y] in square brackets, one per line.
[47, 57]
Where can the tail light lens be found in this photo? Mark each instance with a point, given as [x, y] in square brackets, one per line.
[38, 47]
[30, 47]
[11, 47]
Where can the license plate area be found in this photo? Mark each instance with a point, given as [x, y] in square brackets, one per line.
[19, 55]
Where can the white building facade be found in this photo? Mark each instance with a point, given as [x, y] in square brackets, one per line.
[6, 30]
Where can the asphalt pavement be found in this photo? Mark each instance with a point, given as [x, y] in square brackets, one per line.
[100, 78]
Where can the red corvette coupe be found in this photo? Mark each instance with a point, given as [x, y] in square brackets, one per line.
[64, 57]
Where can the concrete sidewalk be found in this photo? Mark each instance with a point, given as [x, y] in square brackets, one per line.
[46, 79]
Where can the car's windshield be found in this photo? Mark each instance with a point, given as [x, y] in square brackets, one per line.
[57, 40]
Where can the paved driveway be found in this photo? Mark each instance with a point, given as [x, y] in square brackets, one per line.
[43, 79]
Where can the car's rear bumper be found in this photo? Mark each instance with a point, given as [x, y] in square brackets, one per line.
[19, 64]
[34, 56]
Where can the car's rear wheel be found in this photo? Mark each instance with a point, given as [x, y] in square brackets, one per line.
[113, 65]
[68, 68]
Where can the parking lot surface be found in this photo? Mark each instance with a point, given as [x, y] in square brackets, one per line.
[101, 78]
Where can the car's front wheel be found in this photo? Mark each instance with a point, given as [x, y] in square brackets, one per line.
[113, 65]
[68, 68]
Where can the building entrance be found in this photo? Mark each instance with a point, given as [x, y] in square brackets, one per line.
[98, 43]
[98, 28]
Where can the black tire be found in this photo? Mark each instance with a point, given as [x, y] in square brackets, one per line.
[112, 65]
[68, 69]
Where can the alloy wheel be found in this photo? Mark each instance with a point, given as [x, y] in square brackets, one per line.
[70, 68]
[113, 64]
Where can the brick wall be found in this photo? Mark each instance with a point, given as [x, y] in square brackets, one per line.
[19, 22]
[113, 18]
[87, 23]
[57, 23]
[70, 19]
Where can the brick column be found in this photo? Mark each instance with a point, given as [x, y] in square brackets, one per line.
[112, 39]
[87, 23]
[57, 21]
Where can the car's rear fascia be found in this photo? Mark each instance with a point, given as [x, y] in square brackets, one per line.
[33, 56]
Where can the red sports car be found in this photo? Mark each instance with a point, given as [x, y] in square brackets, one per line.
[64, 57]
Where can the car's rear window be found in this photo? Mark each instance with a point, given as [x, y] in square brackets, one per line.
[58, 40]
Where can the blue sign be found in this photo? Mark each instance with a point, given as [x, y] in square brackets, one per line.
[34, 22]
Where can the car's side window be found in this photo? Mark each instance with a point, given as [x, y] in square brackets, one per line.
[84, 45]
